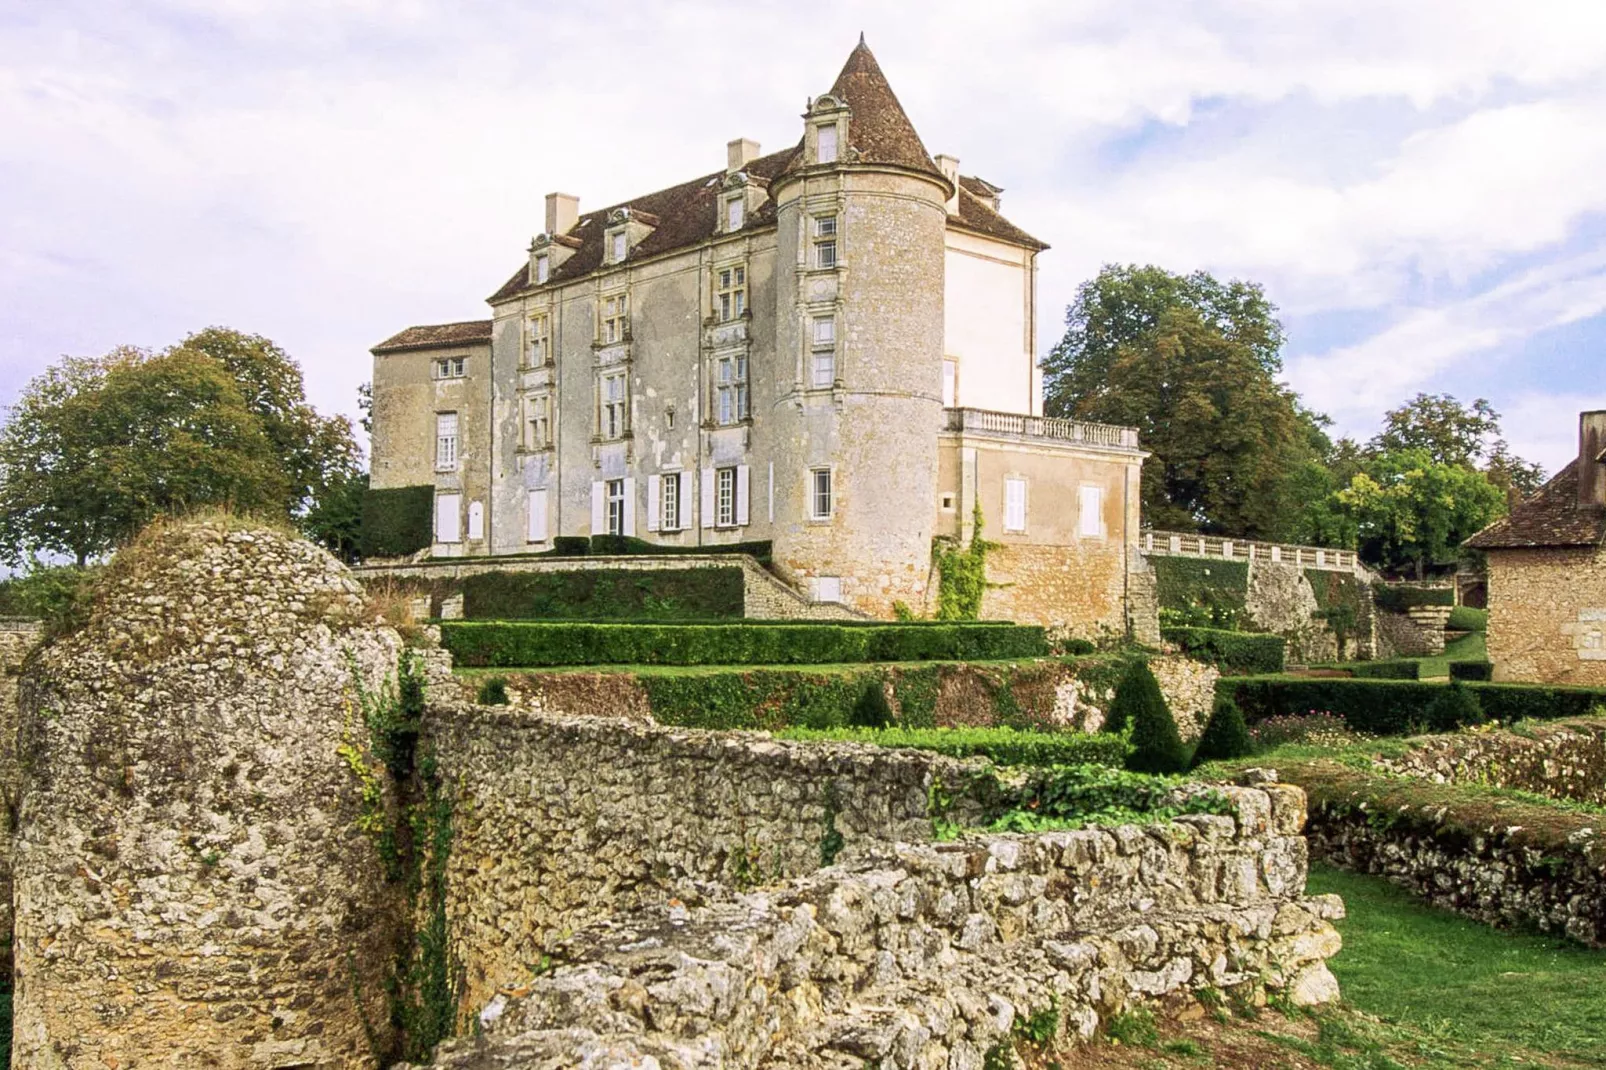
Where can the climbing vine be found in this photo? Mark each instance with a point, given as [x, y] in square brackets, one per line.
[962, 573]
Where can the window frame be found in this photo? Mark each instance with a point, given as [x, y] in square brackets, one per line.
[730, 292]
[730, 392]
[451, 367]
[669, 502]
[735, 213]
[725, 497]
[613, 318]
[820, 133]
[538, 420]
[618, 246]
[543, 269]
[1014, 525]
[814, 493]
[827, 232]
[448, 447]
[614, 411]
[613, 496]
[538, 330]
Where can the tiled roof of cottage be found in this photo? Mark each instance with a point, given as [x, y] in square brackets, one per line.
[878, 132]
[1552, 517]
[437, 336]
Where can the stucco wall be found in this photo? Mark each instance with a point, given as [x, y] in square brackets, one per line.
[987, 322]
[1547, 615]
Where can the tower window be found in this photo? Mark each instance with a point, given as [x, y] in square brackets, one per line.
[820, 494]
[732, 295]
[826, 139]
[823, 356]
[825, 234]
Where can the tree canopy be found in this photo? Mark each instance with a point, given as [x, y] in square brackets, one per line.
[98, 446]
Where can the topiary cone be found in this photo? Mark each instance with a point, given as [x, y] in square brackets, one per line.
[1226, 735]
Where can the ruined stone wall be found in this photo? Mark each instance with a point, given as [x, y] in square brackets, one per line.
[1547, 615]
[192, 886]
[902, 954]
[1280, 600]
[1563, 760]
[18, 638]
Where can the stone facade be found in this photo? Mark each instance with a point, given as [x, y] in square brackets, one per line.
[622, 852]
[191, 886]
[1547, 615]
[18, 638]
[854, 313]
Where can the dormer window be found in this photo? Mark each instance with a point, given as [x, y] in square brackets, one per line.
[826, 141]
[618, 246]
[735, 213]
[543, 269]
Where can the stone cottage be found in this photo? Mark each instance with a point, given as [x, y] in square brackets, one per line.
[829, 347]
[1547, 573]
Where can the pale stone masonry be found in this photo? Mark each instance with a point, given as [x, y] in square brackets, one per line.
[1547, 574]
[830, 347]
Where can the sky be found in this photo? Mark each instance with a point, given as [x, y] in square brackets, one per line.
[1419, 185]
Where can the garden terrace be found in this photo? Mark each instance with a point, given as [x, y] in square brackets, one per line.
[1400, 707]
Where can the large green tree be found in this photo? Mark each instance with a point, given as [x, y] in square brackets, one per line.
[1454, 433]
[1192, 362]
[1412, 511]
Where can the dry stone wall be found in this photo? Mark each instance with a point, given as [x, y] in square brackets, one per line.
[18, 638]
[902, 954]
[1563, 760]
[192, 887]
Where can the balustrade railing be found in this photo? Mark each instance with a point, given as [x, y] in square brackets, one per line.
[1189, 544]
[1016, 425]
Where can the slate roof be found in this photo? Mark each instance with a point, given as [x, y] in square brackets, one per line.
[1552, 517]
[437, 336]
[878, 132]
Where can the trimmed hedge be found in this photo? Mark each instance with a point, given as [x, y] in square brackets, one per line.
[688, 594]
[763, 549]
[1003, 746]
[526, 644]
[1471, 670]
[1467, 619]
[1239, 651]
[1398, 597]
[1387, 669]
[396, 521]
[1399, 707]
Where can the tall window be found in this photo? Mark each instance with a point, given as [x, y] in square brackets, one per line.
[825, 241]
[1091, 521]
[538, 422]
[620, 245]
[669, 501]
[543, 269]
[611, 416]
[725, 497]
[732, 293]
[1014, 504]
[445, 441]
[823, 353]
[615, 318]
[827, 143]
[950, 383]
[730, 383]
[450, 368]
[616, 507]
[537, 346]
[733, 214]
[820, 494]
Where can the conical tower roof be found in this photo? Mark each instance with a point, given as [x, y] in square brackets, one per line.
[880, 130]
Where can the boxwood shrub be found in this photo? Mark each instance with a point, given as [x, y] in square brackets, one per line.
[482, 644]
[1234, 651]
[396, 521]
[1399, 597]
[685, 594]
[626, 544]
[1471, 670]
[1003, 746]
[1398, 707]
[1387, 669]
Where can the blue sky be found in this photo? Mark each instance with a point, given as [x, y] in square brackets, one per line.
[1419, 186]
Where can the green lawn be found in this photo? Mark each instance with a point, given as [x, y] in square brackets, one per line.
[1450, 991]
[1470, 647]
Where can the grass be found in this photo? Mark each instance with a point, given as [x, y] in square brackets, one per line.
[1455, 992]
[1470, 647]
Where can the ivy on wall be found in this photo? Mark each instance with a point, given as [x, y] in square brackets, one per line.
[962, 573]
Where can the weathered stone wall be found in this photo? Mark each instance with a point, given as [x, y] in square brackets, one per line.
[1189, 688]
[191, 884]
[1077, 590]
[1565, 760]
[1547, 615]
[904, 953]
[17, 640]
[1280, 601]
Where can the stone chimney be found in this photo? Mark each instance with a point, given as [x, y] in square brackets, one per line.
[950, 170]
[739, 153]
[562, 213]
[1592, 459]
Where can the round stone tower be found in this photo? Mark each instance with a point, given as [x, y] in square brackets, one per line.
[197, 882]
[861, 219]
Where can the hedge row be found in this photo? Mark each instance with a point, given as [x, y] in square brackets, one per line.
[1471, 670]
[1388, 669]
[605, 594]
[1003, 746]
[1401, 597]
[396, 521]
[1399, 707]
[1233, 651]
[625, 544]
[527, 644]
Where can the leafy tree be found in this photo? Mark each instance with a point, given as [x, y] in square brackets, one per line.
[1457, 434]
[335, 519]
[1225, 735]
[1192, 363]
[1412, 511]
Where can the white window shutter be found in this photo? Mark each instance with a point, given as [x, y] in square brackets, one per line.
[630, 507]
[708, 497]
[476, 521]
[742, 496]
[683, 502]
[537, 519]
[652, 502]
[448, 518]
[599, 508]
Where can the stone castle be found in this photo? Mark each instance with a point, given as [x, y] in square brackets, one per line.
[828, 347]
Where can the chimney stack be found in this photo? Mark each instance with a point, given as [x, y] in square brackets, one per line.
[739, 153]
[562, 212]
[1592, 459]
[949, 165]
